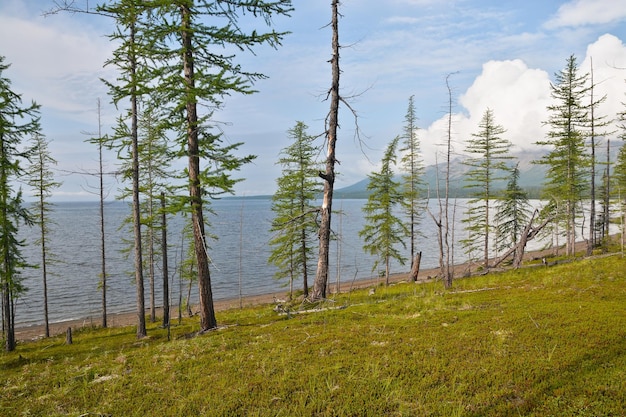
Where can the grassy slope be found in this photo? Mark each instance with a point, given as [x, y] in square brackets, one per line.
[539, 341]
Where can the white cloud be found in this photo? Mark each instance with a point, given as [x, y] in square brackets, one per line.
[588, 12]
[608, 54]
[519, 97]
[61, 61]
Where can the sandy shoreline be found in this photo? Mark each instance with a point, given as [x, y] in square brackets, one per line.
[129, 319]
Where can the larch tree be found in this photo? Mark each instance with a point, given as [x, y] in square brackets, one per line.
[154, 161]
[384, 230]
[513, 212]
[17, 122]
[412, 168]
[602, 220]
[328, 176]
[489, 153]
[294, 224]
[195, 72]
[130, 59]
[155, 174]
[41, 180]
[567, 162]
[131, 17]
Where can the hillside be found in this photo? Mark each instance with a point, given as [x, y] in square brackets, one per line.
[531, 178]
[537, 341]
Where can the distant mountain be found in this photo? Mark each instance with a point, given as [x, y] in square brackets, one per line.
[531, 178]
[356, 190]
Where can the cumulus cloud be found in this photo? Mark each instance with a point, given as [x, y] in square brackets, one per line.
[516, 94]
[519, 96]
[588, 12]
[608, 55]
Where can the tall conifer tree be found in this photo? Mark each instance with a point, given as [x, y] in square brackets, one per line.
[567, 176]
[194, 72]
[41, 179]
[384, 230]
[294, 222]
[413, 177]
[17, 122]
[488, 163]
[130, 59]
[513, 212]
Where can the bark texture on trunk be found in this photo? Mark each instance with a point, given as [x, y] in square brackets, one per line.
[207, 311]
[321, 277]
[141, 318]
[166, 288]
[415, 266]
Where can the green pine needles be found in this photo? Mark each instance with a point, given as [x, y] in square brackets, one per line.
[294, 227]
[384, 230]
[17, 122]
[488, 163]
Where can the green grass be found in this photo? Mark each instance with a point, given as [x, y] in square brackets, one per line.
[538, 341]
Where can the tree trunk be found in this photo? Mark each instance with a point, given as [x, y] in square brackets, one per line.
[487, 227]
[387, 269]
[607, 202]
[44, 265]
[447, 273]
[166, 288]
[207, 311]
[151, 271]
[189, 311]
[6, 273]
[591, 242]
[303, 249]
[9, 329]
[141, 318]
[321, 278]
[415, 266]
[528, 234]
[102, 235]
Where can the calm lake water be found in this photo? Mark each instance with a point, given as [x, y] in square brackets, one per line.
[239, 255]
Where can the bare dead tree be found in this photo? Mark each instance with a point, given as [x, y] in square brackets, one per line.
[442, 220]
[100, 140]
[527, 235]
[447, 272]
[606, 200]
[103, 271]
[321, 277]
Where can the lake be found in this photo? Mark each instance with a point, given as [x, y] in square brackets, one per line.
[239, 255]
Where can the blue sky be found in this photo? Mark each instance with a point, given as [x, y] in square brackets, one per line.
[503, 54]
